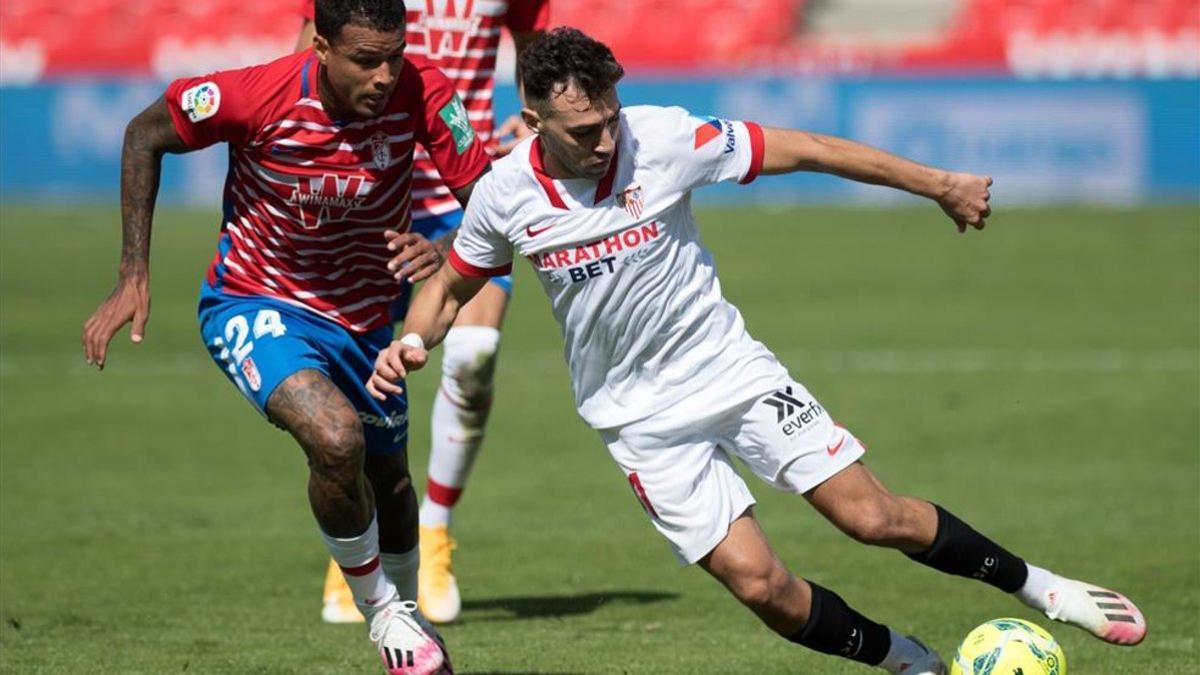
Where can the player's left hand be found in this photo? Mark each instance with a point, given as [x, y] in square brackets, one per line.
[965, 200]
[393, 364]
[513, 126]
[416, 259]
[129, 302]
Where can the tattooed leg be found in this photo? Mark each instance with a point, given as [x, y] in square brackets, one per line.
[323, 421]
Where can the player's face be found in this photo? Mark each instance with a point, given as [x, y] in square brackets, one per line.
[579, 134]
[362, 66]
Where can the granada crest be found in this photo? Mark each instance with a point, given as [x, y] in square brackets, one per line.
[381, 150]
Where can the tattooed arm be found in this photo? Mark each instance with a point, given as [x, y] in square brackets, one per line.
[147, 137]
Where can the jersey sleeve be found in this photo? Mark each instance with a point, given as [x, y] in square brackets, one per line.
[307, 9]
[446, 132]
[705, 150]
[481, 249]
[218, 107]
[526, 16]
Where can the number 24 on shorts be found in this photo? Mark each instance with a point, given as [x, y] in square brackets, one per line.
[237, 345]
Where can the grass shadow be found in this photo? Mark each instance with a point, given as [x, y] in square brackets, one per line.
[548, 606]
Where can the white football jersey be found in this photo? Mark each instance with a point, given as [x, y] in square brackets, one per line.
[632, 286]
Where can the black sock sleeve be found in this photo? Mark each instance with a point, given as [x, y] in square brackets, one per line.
[834, 628]
[960, 550]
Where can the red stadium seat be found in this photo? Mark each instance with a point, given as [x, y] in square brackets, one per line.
[112, 36]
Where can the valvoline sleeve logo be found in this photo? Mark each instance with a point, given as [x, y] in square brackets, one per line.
[711, 128]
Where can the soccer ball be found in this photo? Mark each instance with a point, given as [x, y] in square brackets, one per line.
[1009, 647]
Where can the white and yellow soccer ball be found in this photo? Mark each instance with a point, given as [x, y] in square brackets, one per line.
[1009, 647]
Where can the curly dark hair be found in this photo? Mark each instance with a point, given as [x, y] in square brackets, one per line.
[381, 15]
[566, 55]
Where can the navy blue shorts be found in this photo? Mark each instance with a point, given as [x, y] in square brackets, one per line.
[259, 342]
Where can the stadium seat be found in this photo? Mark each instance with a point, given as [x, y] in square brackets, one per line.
[110, 36]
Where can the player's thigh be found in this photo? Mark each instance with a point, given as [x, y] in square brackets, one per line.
[322, 420]
[788, 439]
[852, 489]
[486, 308]
[686, 485]
[744, 548]
[859, 504]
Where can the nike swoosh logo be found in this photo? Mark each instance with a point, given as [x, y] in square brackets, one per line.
[533, 233]
[833, 450]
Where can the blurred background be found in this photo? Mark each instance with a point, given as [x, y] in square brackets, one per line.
[1094, 101]
[1040, 378]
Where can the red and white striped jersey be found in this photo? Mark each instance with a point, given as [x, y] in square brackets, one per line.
[462, 38]
[307, 198]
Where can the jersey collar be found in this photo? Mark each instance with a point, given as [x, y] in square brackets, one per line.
[603, 187]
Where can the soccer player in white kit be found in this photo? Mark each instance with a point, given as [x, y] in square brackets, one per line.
[662, 366]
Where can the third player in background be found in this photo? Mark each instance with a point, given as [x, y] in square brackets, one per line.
[462, 38]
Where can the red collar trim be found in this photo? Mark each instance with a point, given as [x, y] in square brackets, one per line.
[543, 179]
[603, 189]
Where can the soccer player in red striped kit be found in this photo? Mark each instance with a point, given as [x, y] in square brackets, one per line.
[462, 38]
[314, 242]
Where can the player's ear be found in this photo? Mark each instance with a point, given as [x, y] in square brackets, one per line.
[531, 119]
[321, 47]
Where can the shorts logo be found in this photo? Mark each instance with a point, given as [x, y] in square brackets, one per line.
[455, 117]
[791, 413]
[632, 200]
[396, 420]
[250, 372]
[201, 101]
[381, 150]
[533, 232]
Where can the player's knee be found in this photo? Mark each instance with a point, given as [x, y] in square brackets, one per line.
[759, 586]
[878, 522]
[337, 451]
[469, 365]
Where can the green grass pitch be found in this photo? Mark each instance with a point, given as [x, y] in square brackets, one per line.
[1039, 378]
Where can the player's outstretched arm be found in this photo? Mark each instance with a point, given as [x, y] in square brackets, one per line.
[430, 316]
[963, 196]
[147, 137]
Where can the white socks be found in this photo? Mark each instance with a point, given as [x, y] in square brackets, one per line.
[902, 652]
[460, 411]
[359, 559]
[1037, 587]
[401, 569]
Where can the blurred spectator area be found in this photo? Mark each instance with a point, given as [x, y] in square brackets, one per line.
[1041, 38]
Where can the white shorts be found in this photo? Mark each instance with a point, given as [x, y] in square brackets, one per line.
[680, 468]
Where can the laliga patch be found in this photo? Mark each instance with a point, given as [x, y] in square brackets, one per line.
[250, 372]
[201, 101]
[455, 117]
